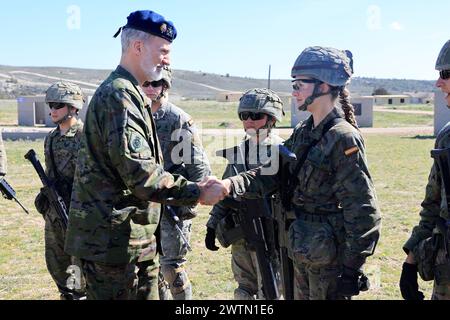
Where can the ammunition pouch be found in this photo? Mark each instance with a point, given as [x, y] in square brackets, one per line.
[228, 230]
[312, 241]
[432, 258]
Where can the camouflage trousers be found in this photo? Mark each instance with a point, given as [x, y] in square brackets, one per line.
[65, 270]
[133, 281]
[316, 283]
[174, 259]
[246, 273]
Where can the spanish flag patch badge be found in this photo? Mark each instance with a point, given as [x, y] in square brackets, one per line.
[351, 151]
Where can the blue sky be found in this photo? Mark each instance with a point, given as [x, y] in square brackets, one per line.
[389, 39]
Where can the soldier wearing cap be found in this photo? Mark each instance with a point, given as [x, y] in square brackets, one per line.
[120, 180]
[61, 146]
[329, 185]
[426, 248]
[259, 110]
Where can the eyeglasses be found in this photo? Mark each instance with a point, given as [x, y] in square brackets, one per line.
[56, 105]
[254, 116]
[298, 82]
[444, 74]
[154, 84]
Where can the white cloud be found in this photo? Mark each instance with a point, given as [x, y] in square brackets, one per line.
[397, 26]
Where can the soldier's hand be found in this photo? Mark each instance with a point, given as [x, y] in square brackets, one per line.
[351, 282]
[408, 283]
[210, 240]
[213, 190]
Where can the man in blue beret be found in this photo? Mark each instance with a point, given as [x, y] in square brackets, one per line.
[120, 182]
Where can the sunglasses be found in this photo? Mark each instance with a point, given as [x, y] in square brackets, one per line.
[297, 83]
[254, 116]
[56, 105]
[444, 74]
[154, 84]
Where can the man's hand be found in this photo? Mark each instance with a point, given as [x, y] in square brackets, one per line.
[351, 282]
[213, 190]
[408, 282]
[210, 240]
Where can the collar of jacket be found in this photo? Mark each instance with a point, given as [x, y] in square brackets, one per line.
[71, 132]
[161, 112]
[316, 133]
[123, 73]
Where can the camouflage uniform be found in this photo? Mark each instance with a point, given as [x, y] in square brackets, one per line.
[433, 207]
[336, 206]
[426, 241]
[59, 264]
[2, 157]
[243, 260]
[119, 170]
[176, 128]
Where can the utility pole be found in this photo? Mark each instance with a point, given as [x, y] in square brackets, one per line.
[270, 70]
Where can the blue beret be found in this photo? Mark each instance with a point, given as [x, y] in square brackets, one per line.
[151, 22]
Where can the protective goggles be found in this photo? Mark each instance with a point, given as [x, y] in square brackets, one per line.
[296, 86]
[154, 84]
[254, 116]
[56, 105]
[444, 74]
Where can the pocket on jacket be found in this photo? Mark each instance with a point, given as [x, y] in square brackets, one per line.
[312, 243]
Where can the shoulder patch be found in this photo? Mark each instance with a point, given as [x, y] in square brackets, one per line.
[351, 151]
[136, 142]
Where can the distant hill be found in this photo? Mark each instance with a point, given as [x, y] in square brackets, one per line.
[18, 81]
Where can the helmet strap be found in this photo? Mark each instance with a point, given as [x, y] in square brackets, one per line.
[316, 94]
[162, 94]
[69, 115]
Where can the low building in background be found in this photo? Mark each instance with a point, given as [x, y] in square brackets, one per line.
[33, 111]
[363, 112]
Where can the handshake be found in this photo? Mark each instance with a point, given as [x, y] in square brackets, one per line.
[213, 190]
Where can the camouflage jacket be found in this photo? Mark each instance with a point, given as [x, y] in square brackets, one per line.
[334, 180]
[119, 171]
[180, 143]
[238, 157]
[2, 156]
[65, 152]
[433, 206]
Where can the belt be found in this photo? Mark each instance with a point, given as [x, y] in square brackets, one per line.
[316, 216]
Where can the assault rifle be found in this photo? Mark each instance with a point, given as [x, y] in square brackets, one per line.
[55, 200]
[171, 213]
[256, 223]
[9, 193]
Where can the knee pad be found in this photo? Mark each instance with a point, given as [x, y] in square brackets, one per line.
[242, 294]
[178, 281]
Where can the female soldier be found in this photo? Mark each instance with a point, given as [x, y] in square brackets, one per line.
[259, 110]
[332, 194]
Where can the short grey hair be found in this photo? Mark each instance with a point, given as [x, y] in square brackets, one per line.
[129, 35]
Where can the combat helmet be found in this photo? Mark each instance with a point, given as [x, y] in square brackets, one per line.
[167, 77]
[264, 101]
[443, 60]
[329, 65]
[65, 92]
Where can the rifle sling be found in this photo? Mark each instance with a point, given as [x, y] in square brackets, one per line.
[302, 159]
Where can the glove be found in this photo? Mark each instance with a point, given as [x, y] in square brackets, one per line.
[408, 283]
[210, 240]
[351, 282]
[41, 202]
